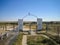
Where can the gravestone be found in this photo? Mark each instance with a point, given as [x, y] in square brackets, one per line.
[20, 24]
[39, 23]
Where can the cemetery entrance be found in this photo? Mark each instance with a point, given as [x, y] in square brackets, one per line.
[30, 25]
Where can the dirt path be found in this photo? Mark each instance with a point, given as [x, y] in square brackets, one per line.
[24, 40]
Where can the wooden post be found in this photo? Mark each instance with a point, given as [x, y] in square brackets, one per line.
[30, 27]
[46, 27]
[5, 27]
[58, 31]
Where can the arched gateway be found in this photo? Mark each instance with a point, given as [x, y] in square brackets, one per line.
[38, 26]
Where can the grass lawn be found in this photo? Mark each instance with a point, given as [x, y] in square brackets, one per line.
[39, 40]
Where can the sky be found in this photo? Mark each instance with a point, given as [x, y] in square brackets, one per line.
[12, 10]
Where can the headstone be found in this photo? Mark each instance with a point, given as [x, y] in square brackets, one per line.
[39, 23]
[20, 24]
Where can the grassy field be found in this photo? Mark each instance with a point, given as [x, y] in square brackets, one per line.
[52, 29]
[39, 40]
[56, 38]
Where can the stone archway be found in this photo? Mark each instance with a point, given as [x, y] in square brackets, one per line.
[38, 26]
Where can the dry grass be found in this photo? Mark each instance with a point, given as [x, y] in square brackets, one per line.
[39, 40]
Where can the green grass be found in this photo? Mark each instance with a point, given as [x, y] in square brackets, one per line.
[39, 40]
[18, 40]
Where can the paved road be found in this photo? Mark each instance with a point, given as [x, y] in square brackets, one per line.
[10, 41]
